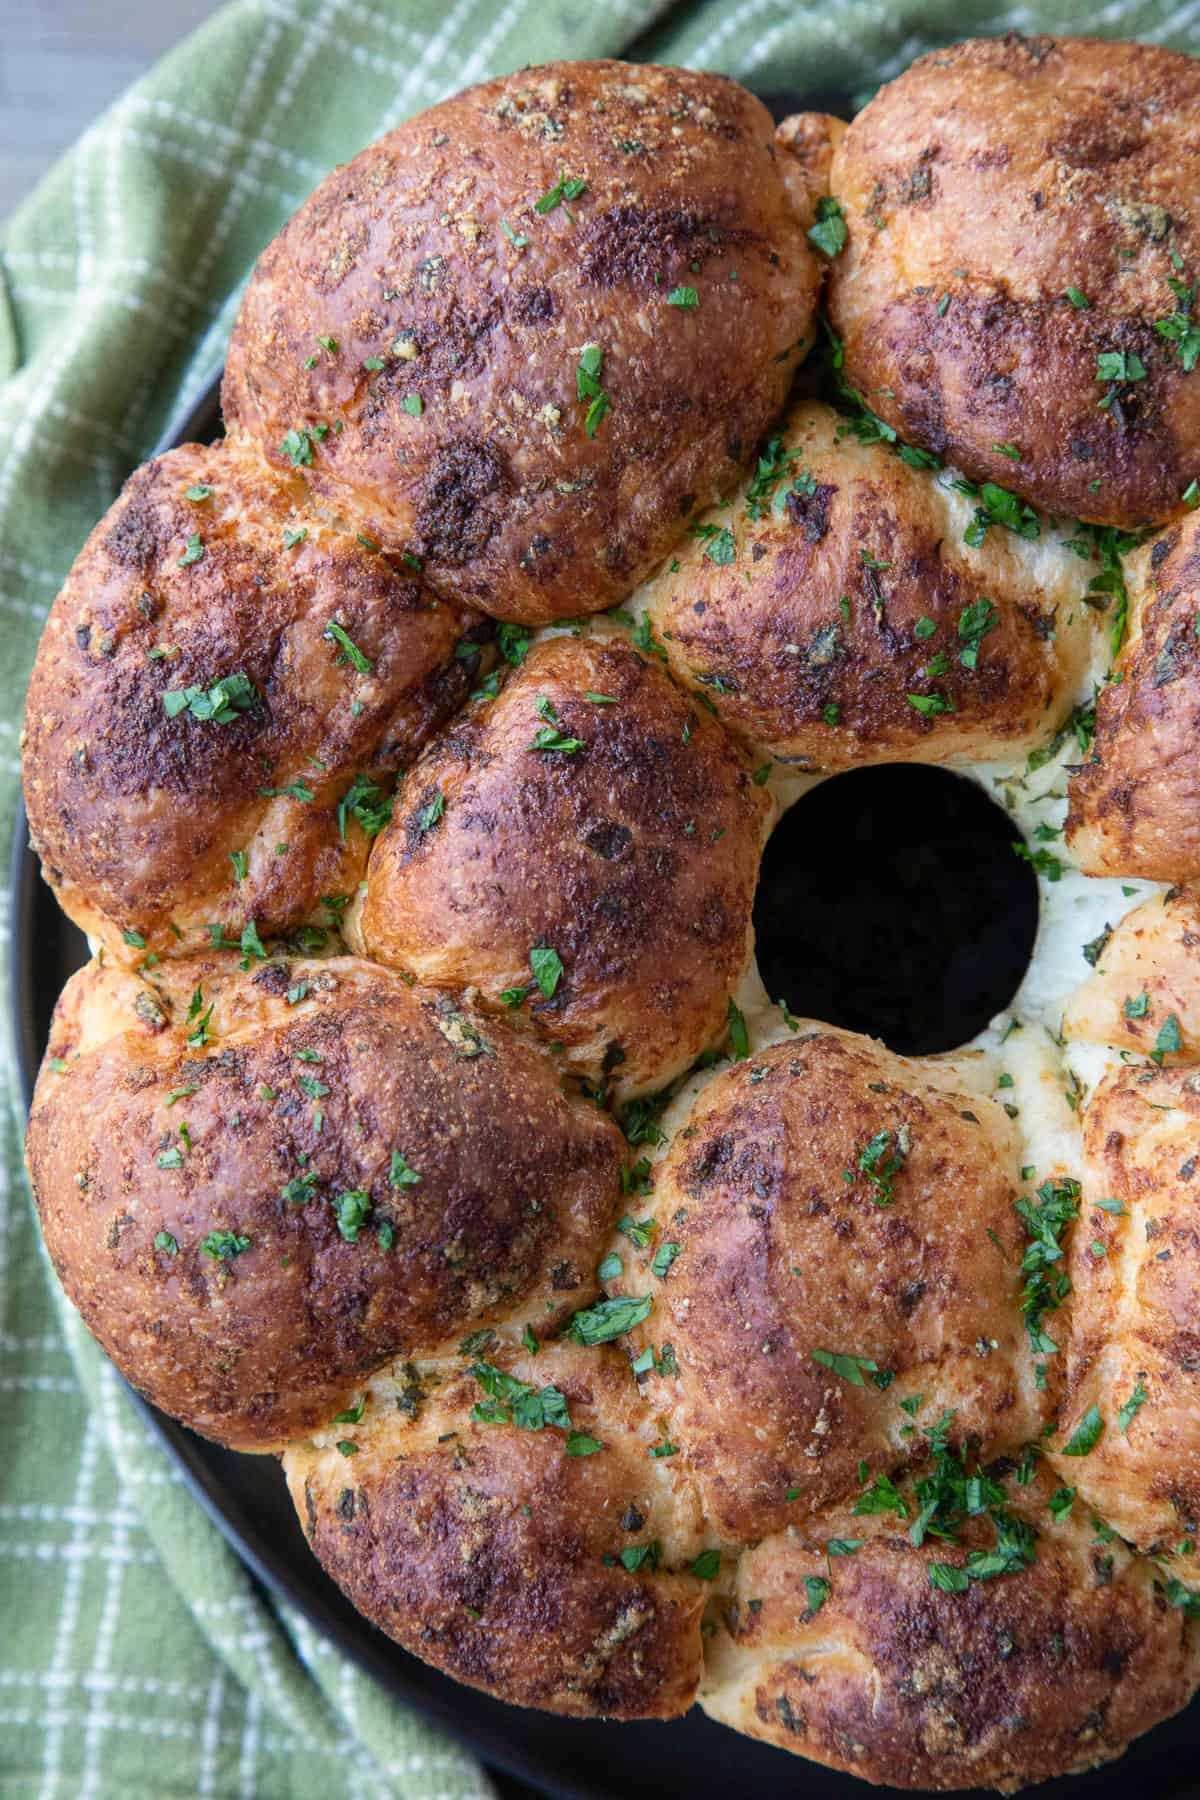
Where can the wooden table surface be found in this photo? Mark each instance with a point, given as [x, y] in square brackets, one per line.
[62, 62]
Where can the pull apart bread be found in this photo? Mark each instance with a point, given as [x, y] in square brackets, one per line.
[408, 758]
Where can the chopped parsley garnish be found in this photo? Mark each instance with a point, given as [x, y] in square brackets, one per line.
[1045, 1219]
[1044, 862]
[350, 652]
[645, 640]
[223, 1246]
[350, 1209]
[552, 737]
[1081, 725]
[882, 1160]
[706, 1565]
[250, 945]
[512, 641]
[166, 1243]
[683, 296]
[974, 623]
[829, 233]
[1095, 947]
[850, 1368]
[720, 546]
[241, 864]
[431, 813]
[996, 506]
[297, 446]
[518, 1403]
[1133, 1405]
[816, 1587]
[587, 387]
[1180, 330]
[951, 1493]
[930, 706]
[365, 802]
[291, 790]
[1117, 366]
[883, 1496]
[1078, 299]
[199, 1035]
[402, 1174]
[567, 187]
[547, 968]
[221, 702]
[1185, 1598]
[773, 466]
[609, 1318]
[194, 552]
[580, 1443]
[1086, 1435]
[638, 1231]
[639, 1120]
[1168, 1040]
[664, 1256]
[300, 1189]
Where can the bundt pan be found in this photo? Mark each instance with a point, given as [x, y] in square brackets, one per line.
[613, 483]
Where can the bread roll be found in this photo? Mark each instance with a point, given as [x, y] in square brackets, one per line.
[510, 321]
[1022, 218]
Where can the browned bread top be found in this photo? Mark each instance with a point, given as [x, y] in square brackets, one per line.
[1022, 215]
[500, 338]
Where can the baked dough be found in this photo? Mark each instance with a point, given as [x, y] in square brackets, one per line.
[852, 1394]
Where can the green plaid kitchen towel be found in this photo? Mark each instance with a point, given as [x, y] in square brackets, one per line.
[137, 1657]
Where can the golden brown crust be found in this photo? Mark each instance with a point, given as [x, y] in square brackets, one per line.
[831, 628]
[978, 188]
[1146, 974]
[1134, 1348]
[318, 1069]
[1135, 804]
[311, 1207]
[1031, 1674]
[634, 858]
[138, 814]
[427, 254]
[789, 1252]
[494, 1553]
